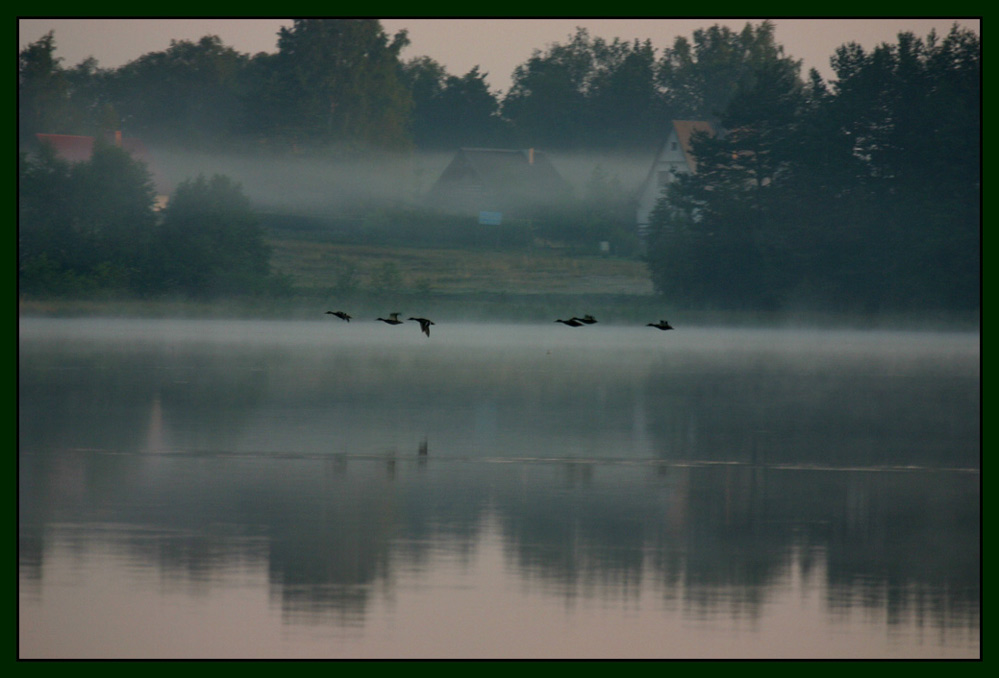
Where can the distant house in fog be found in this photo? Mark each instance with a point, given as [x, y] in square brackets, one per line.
[75, 148]
[674, 157]
[515, 183]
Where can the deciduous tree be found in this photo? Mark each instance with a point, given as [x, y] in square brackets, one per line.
[188, 95]
[336, 83]
[211, 242]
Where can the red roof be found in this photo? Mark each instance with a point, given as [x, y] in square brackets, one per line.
[684, 131]
[76, 148]
[69, 146]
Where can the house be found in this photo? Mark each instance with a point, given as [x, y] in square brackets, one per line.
[674, 157]
[511, 183]
[75, 148]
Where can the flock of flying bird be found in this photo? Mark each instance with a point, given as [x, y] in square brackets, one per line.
[393, 319]
[425, 324]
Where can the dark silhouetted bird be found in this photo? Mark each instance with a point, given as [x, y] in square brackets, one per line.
[661, 325]
[339, 314]
[571, 322]
[424, 324]
[588, 319]
[393, 319]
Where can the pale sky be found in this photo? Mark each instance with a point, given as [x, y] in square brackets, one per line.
[497, 46]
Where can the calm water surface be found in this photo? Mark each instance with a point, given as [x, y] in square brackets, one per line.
[323, 489]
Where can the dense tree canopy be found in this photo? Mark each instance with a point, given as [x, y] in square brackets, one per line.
[593, 93]
[341, 83]
[699, 80]
[49, 96]
[586, 93]
[451, 111]
[83, 225]
[862, 195]
[210, 242]
[89, 226]
[188, 94]
[335, 82]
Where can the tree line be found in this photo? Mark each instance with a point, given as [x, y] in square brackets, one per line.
[90, 227]
[341, 84]
[861, 193]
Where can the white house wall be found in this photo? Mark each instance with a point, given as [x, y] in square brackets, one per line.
[671, 160]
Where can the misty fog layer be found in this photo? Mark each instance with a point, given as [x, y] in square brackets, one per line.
[822, 397]
[303, 185]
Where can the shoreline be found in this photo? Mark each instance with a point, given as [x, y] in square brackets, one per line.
[494, 307]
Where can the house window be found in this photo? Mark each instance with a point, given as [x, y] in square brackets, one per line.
[663, 178]
[672, 146]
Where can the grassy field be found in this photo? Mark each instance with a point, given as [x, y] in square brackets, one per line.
[536, 285]
[474, 284]
[327, 266]
[539, 284]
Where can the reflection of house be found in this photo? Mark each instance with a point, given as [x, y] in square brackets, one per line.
[74, 148]
[674, 157]
[512, 182]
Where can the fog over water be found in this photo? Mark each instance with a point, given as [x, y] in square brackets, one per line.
[606, 376]
[212, 488]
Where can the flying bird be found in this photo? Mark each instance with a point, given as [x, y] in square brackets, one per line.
[588, 319]
[661, 325]
[424, 324]
[571, 322]
[339, 314]
[393, 319]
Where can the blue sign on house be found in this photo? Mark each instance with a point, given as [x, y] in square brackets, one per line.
[490, 218]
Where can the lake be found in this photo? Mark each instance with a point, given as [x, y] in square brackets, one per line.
[292, 489]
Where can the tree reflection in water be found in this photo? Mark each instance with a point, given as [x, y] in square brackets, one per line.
[707, 477]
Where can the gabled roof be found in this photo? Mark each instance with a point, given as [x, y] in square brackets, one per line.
[522, 173]
[684, 131]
